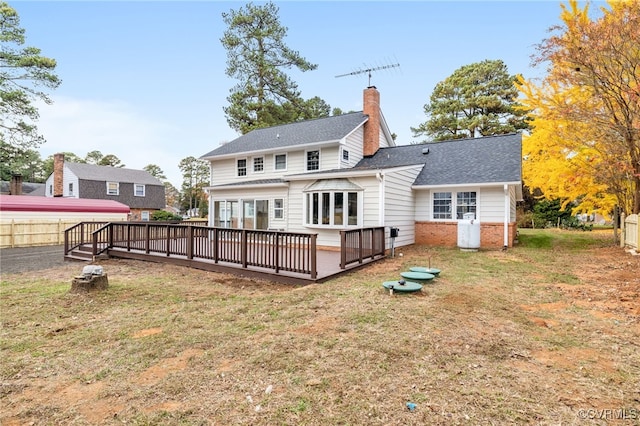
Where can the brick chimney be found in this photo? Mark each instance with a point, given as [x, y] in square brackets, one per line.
[58, 171]
[15, 186]
[371, 107]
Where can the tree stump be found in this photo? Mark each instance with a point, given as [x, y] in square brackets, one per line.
[89, 283]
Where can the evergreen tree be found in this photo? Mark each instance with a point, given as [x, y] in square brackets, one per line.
[23, 71]
[257, 56]
[476, 100]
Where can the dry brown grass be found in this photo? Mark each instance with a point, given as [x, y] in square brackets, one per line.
[528, 336]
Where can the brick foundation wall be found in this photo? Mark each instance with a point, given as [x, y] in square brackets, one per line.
[445, 234]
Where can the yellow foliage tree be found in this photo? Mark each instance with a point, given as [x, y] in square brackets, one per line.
[585, 142]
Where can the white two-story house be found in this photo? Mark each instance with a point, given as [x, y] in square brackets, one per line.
[330, 174]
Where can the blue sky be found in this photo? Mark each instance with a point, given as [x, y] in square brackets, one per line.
[145, 80]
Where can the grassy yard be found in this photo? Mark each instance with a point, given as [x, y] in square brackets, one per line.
[545, 333]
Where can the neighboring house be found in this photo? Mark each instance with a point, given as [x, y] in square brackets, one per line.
[343, 172]
[17, 187]
[137, 189]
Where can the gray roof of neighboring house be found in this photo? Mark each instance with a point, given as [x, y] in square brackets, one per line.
[460, 161]
[112, 174]
[28, 188]
[287, 135]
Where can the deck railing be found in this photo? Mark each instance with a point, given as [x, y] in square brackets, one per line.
[273, 250]
[360, 244]
[280, 251]
[80, 234]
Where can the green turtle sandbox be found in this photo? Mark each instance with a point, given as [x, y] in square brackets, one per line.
[402, 286]
[432, 271]
[419, 277]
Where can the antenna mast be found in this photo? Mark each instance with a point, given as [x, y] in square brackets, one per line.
[369, 70]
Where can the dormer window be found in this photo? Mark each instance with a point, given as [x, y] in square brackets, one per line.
[345, 155]
[313, 160]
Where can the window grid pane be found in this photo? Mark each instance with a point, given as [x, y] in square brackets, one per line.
[465, 203]
[242, 167]
[442, 205]
[258, 164]
[313, 160]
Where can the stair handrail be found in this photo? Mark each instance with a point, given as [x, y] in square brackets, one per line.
[102, 236]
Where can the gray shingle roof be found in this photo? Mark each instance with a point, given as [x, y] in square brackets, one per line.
[112, 174]
[286, 135]
[479, 160]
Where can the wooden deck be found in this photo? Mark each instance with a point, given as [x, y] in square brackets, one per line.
[274, 255]
[328, 266]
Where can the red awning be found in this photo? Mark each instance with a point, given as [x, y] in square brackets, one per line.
[25, 203]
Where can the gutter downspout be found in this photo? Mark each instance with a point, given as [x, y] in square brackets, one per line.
[507, 211]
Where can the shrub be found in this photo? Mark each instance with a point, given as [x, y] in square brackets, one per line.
[164, 215]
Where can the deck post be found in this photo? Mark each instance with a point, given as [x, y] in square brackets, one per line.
[243, 248]
[110, 235]
[189, 242]
[314, 258]
[276, 255]
[216, 236]
[147, 231]
[343, 249]
[360, 244]
[168, 240]
[128, 237]
[66, 240]
[94, 244]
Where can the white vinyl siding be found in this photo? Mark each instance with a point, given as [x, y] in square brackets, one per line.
[225, 171]
[490, 203]
[69, 180]
[399, 204]
[353, 144]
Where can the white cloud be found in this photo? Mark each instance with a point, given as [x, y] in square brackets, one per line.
[112, 127]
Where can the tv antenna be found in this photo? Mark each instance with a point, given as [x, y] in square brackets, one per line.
[368, 71]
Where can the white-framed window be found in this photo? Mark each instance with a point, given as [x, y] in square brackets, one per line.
[50, 189]
[144, 215]
[70, 189]
[313, 160]
[278, 208]
[345, 155]
[242, 167]
[113, 188]
[258, 164]
[445, 203]
[333, 208]
[138, 190]
[466, 203]
[280, 162]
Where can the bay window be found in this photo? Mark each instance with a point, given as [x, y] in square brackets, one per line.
[332, 208]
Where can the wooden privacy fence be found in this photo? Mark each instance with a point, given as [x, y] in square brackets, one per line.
[631, 231]
[29, 233]
[360, 244]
